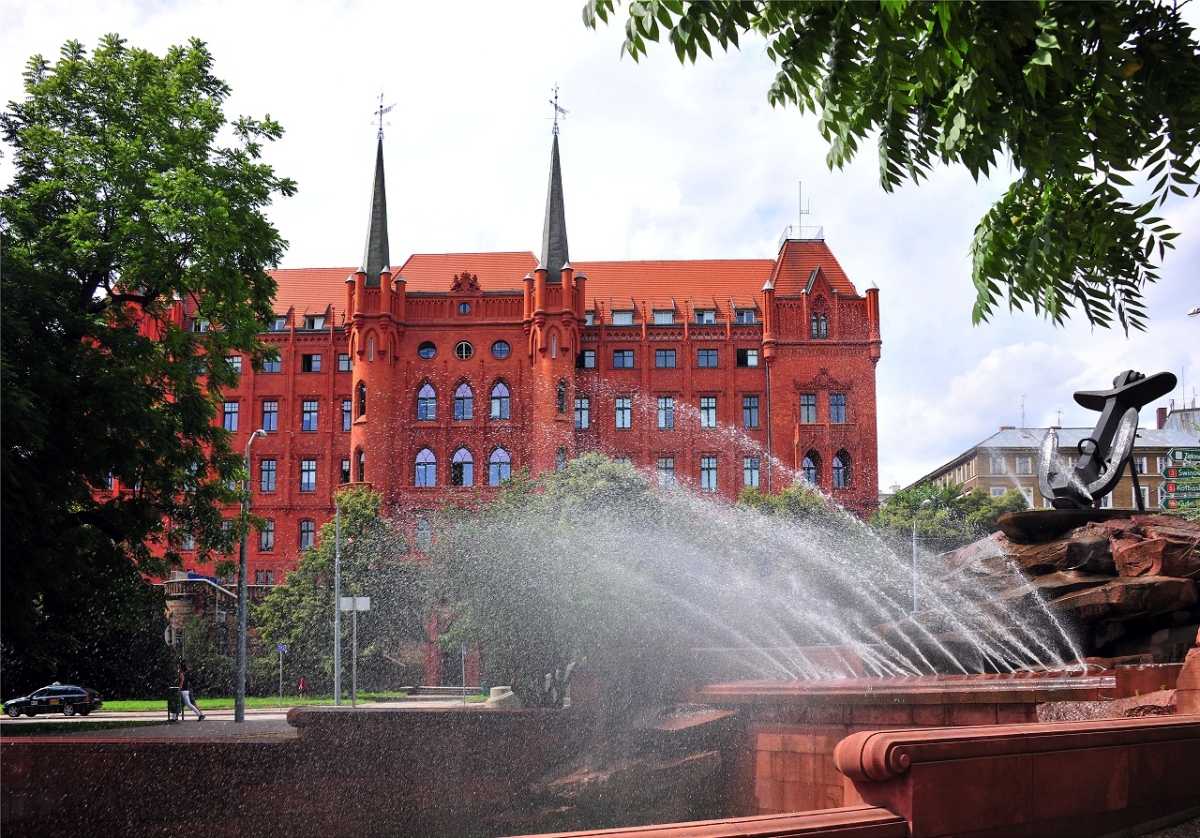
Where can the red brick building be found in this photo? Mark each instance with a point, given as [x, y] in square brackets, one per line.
[441, 377]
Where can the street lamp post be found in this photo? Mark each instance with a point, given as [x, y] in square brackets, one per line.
[924, 504]
[239, 699]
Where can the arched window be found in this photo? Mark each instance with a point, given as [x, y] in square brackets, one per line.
[561, 397]
[500, 401]
[464, 402]
[361, 398]
[426, 469]
[499, 467]
[811, 468]
[361, 462]
[462, 468]
[426, 404]
[820, 327]
[841, 470]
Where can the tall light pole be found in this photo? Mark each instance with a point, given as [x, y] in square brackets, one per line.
[924, 504]
[239, 698]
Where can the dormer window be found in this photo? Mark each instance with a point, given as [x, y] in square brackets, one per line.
[622, 318]
[279, 324]
[199, 325]
[745, 315]
[706, 315]
[314, 321]
[589, 318]
[664, 318]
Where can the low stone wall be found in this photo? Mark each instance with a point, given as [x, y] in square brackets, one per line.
[1082, 778]
[359, 773]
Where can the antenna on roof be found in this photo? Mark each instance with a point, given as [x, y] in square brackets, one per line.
[380, 112]
[557, 109]
[1022, 410]
[1060, 418]
[803, 209]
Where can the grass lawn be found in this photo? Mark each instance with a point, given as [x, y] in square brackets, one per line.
[207, 703]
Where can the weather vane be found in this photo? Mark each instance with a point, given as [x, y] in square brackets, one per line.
[380, 111]
[557, 110]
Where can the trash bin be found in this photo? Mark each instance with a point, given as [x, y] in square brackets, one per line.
[174, 705]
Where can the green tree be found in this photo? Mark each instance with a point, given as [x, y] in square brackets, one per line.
[123, 203]
[945, 518]
[1075, 97]
[375, 562]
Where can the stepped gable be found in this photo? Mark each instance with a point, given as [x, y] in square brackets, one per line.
[798, 259]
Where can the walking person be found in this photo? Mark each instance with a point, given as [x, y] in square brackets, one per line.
[303, 687]
[185, 691]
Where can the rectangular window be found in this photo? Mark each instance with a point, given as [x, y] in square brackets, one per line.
[310, 363]
[666, 413]
[278, 324]
[1163, 462]
[623, 461]
[706, 315]
[1105, 502]
[808, 408]
[622, 318]
[745, 315]
[270, 577]
[266, 538]
[622, 359]
[235, 363]
[231, 416]
[258, 577]
[308, 475]
[708, 474]
[998, 491]
[664, 318]
[347, 414]
[1139, 464]
[708, 411]
[314, 321]
[664, 358]
[997, 464]
[624, 412]
[199, 325]
[344, 476]
[586, 360]
[747, 357]
[589, 318]
[1145, 491]
[837, 407]
[270, 416]
[750, 471]
[308, 534]
[189, 542]
[706, 358]
[749, 411]
[666, 472]
[308, 416]
[266, 476]
[272, 366]
[344, 362]
[582, 414]
[1024, 465]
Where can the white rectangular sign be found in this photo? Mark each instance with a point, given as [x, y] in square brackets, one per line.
[356, 603]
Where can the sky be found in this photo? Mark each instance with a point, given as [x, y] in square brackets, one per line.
[660, 161]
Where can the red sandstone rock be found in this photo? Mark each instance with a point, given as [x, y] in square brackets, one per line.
[1188, 685]
[1139, 558]
[1123, 599]
[1089, 553]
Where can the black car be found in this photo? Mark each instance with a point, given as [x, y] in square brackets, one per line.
[57, 698]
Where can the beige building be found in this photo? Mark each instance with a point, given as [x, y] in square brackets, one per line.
[1009, 459]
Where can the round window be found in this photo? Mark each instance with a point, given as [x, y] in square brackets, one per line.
[464, 308]
[501, 349]
[464, 350]
[426, 350]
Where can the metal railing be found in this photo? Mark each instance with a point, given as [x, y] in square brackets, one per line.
[795, 231]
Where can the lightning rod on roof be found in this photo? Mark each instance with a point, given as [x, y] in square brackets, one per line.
[557, 109]
[380, 112]
[803, 210]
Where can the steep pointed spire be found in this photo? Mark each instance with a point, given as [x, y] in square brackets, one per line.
[554, 233]
[376, 256]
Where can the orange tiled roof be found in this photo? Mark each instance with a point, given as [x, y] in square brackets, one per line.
[697, 283]
[798, 260]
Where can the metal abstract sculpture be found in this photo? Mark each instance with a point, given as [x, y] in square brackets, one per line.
[1104, 454]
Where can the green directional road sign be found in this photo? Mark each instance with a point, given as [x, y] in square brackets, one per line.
[1181, 473]
[1182, 491]
[1176, 503]
[1185, 456]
